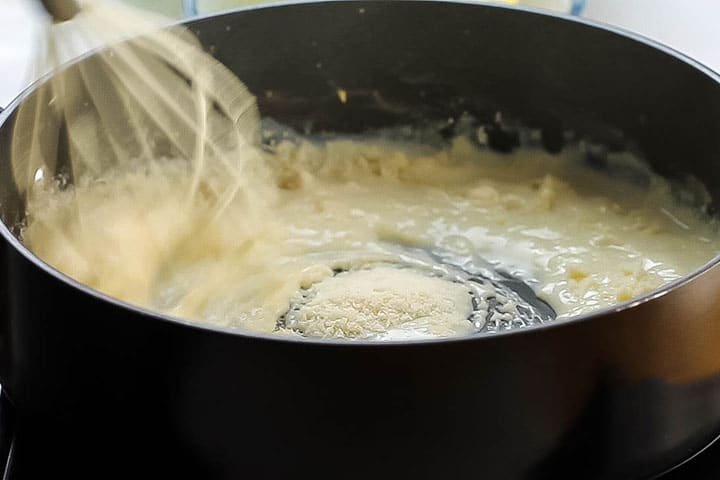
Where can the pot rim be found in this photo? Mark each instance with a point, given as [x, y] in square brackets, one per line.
[337, 342]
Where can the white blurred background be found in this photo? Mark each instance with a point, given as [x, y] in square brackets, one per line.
[688, 25]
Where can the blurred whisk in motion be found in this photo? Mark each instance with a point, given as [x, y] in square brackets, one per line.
[150, 92]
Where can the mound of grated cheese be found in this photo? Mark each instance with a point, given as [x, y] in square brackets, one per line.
[387, 303]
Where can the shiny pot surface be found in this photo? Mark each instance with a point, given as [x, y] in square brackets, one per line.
[106, 390]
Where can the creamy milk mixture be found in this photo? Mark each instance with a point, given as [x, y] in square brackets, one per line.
[372, 239]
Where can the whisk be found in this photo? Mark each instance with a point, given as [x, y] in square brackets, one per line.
[61, 10]
[148, 91]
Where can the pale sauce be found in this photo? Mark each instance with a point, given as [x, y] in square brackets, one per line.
[581, 238]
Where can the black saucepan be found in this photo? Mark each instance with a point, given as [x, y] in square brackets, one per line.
[104, 389]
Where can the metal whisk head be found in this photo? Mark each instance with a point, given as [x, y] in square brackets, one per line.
[149, 90]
